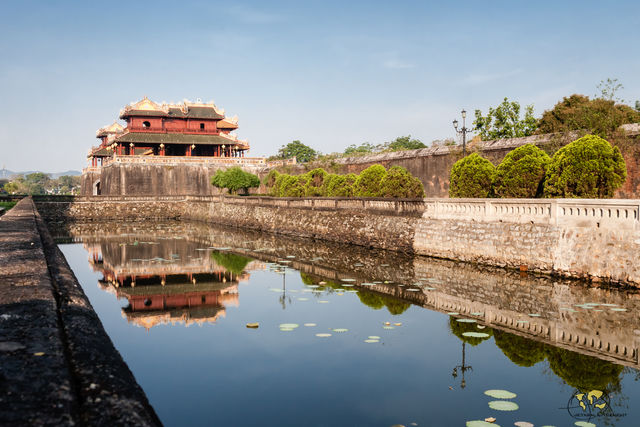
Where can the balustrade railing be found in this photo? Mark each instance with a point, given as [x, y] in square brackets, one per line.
[160, 160]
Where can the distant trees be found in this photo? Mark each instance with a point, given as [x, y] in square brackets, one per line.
[39, 183]
[398, 144]
[504, 121]
[375, 181]
[302, 153]
[235, 179]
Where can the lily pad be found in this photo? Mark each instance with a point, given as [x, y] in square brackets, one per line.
[413, 290]
[584, 424]
[477, 313]
[475, 335]
[388, 327]
[481, 423]
[610, 305]
[367, 284]
[618, 309]
[534, 315]
[310, 324]
[500, 394]
[523, 424]
[466, 320]
[453, 313]
[286, 329]
[323, 335]
[348, 280]
[340, 330]
[371, 341]
[313, 286]
[374, 337]
[346, 285]
[303, 299]
[323, 301]
[503, 405]
[289, 325]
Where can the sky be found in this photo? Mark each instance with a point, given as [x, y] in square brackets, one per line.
[327, 73]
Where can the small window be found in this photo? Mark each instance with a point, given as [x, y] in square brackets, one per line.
[201, 126]
[146, 124]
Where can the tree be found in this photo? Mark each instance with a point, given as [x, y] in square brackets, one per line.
[598, 116]
[369, 180]
[404, 143]
[638, 106]
[608, 89]
[363, 148]
[297, 149]
[521, 173]
[12, 187]
[504, 121]
[270, 182]
[471, 176]
[235, 179]
[398, 182]
[588, 167]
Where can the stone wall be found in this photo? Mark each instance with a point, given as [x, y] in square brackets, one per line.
[592, 239]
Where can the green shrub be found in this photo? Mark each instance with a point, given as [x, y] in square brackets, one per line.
[269, 182]
[313, 188]
[398, 182]
[327, 182]
[521, 173]
[369, 180]
[235, 179]
[342, 185]
[291, 186]
[588, 167]
[471, 176]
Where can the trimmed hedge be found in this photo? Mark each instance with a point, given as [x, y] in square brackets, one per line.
[471, 176]
[521, 173]
[374, 181]
[588, 167]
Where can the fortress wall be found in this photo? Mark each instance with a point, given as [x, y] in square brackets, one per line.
[592, 239]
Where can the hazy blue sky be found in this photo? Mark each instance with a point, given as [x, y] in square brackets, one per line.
[328, 73]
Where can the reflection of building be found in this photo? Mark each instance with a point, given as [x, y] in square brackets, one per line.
[159, 286]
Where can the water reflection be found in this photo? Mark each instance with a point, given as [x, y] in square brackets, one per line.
[189, 273]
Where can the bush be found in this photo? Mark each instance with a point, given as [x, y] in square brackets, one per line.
[315, 182]
[398, 182]
[327, 182]
[521, 173]
[471, 176]
[235, 179]
[588, 167]
[291, 186]
[369, 180]
[342, 185]
[270, 182]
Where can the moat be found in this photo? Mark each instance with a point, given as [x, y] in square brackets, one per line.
[350, 336]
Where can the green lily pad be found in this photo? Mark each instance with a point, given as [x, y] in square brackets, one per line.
[477, 313]
[303, 299]
[289, 325]
[340, 330]
[481, 423]
[475, 335]
[466, 320]
[522, 321]
[367, 284]
[291, 256]
[523, 424]
[371, 341]
[348, 280]
[323, 335]
[374, 337]
[610, 305]
[286, 329]
[453, 313]
[346, 285]
[310, 324]
[500, 394]
[534, 315]
[313, 286]
[618, 309]
[388, 327]
[503, 405]
[413, 290]
[323, 301]
[584, 424]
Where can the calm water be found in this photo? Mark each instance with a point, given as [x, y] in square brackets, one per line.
[175, 298]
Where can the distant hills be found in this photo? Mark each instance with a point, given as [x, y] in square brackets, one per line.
[5, 173]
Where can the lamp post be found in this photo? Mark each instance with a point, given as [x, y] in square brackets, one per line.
[463, 131]
[463, 368]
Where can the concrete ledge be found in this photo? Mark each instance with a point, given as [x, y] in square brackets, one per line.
[58, 366]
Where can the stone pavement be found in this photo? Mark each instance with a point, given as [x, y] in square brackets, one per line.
[57, 364]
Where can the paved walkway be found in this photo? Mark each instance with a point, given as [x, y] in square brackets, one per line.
[57, 365]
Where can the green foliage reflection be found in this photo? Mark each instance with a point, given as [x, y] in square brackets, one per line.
[230, 262]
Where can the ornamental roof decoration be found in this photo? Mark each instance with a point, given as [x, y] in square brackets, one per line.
[228, 123]
[198, 109]
[114, 128]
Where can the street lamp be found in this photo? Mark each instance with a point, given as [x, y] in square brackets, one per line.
[463, 131]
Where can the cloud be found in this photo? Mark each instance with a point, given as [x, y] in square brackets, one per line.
[476, 79]
[396, 64]
[250, 15]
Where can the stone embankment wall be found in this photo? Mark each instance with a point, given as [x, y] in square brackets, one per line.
[592, 239]
[57, 364]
